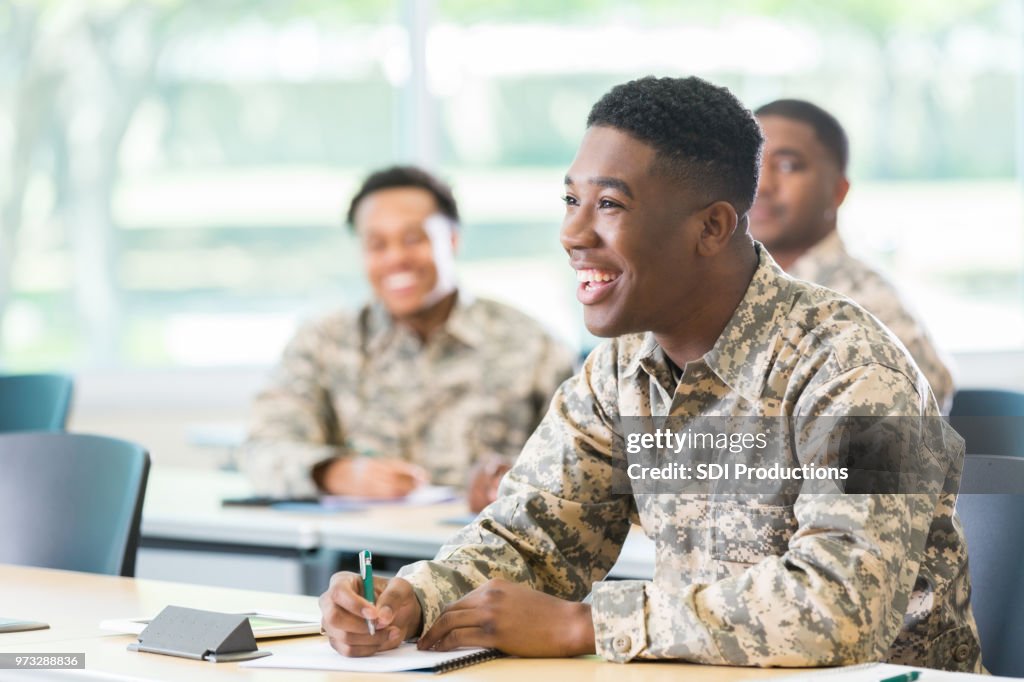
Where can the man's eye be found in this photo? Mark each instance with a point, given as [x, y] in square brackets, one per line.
[570, 201]
[608, 203]
[788, 166]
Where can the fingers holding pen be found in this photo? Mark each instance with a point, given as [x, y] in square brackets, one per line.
[345, 610]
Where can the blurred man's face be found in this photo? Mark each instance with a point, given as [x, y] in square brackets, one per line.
[630, 232]
[408, 249]
[800, 188]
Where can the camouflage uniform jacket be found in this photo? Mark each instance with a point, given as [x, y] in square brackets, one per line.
[361, 384]
[827, 580]
[829, 264]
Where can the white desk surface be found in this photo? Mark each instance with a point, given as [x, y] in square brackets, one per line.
[185, 504]
[74, 603]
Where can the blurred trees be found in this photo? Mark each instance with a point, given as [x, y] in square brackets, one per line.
[72, 76]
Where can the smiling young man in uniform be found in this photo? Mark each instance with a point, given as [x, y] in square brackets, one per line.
[426, 382]
[702, 323]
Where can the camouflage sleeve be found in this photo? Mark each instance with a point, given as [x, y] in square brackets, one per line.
[934, 366]
[293, 425]
[836, 595]
[885, 303]
[554, 365]
[556, 524]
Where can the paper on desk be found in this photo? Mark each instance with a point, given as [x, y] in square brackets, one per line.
[873, 672]
[320, 656]
[425, 494]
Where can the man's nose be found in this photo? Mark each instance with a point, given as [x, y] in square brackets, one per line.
[578, 230]
[397, 253]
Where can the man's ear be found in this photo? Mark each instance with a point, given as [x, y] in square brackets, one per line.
[839, 195]
[719, 221]
[455, 237]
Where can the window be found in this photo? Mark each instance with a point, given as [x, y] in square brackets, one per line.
[179, 171]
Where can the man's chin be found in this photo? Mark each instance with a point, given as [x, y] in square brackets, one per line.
[403, 309]
[766, 237]
[603, 326]
[767, 232]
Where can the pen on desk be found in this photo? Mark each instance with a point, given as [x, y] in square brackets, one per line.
[366, 573]
[906, 677]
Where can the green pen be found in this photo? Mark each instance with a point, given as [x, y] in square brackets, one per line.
[366, 573]
[906, 677]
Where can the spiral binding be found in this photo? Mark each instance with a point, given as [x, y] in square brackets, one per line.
[466, 661]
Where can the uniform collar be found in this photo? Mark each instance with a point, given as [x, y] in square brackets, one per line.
[742, 355]
[462, 324]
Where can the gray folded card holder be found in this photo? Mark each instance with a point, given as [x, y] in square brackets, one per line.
[200, 635]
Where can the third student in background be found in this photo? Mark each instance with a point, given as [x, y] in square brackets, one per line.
[803, 182]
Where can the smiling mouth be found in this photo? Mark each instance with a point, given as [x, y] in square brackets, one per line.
[399, 280]
[592, 278]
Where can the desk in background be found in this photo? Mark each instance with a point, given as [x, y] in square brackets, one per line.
[187, 536]
[74, 603]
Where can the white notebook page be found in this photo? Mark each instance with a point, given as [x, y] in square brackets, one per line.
[320, 656]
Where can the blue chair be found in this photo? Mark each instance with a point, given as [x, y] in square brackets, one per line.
[991, 508]
[71, 501]
[34, 402]
[991, 421]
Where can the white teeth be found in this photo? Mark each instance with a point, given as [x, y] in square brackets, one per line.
[592, 275]
[399, 280]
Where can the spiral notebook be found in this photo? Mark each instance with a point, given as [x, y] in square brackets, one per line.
[405, 658]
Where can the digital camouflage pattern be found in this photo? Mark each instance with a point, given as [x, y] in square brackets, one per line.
[813, 580]
[829, 264]
[359, 384]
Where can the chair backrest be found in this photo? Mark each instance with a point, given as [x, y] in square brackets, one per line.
[991, 508]
[34, 402]
[71, 501]
[991, 421]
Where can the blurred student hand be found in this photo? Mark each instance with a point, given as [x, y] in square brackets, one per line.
[372, 477]
[484, 479]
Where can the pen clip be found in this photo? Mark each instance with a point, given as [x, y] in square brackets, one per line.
[365, 562]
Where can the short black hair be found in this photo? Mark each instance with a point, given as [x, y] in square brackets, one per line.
[825, 125]
[396, 177]
[700, 132]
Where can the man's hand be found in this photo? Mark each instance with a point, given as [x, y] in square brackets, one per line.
[372, 477]
[483, 482]
[516, 619]
[396, 615]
